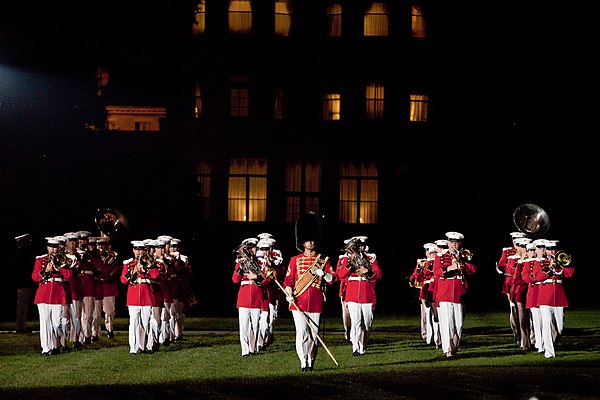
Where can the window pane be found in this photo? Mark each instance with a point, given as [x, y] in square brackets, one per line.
[418, 22]
[334, 19]
[347, 212]
[418, 107]
[240, 16]
[348, 189]
[199, 24]
[197, 102]
[374, 97]
[313, 176]
[293, 176]
[331, 106]
[368, 190]
[283, 17]
[376, 20]
[368, 213]
[292, 208]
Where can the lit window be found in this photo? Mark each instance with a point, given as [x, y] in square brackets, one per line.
[203, 177]
[302, 188]
[358, 193]
[334, 19]
[199, 24]
[332, 106]
[247, 192]
[239, 97]
[240, 16]
[417, 22]
[280, 103]
[197, 101]
[418, 107]
[283, 17]
[376, 20]
[374, 97]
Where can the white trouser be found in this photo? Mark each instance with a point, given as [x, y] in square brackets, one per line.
[166, 333]
[347, 324]
[75, 331]
[451, 317]
[87, 315]
[139, 323]
[272, 316]
[249, 319]
[50, 325]
[155, 324]
[536, 322]
[433, 328]
[306, 339]
[65, 325]
[423, 314]
[552, 325]
[176, 320]
[97, 318]
[263, 329]
[361, 315]
[108, 306]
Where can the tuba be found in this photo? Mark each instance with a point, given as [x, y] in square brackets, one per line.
[111, 223]
[531, 219]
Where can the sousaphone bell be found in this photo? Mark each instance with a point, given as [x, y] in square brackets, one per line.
[531, 219]
[111, 223]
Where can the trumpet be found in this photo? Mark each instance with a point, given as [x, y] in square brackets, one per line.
[562, 258]
[465, 255]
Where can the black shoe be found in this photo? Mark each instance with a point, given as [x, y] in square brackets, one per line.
[156, 347]
[246, 355]
[166, 342]
[65, 349]
[87, 340]
[309, 369]
[95, 338]
[304, 369]
[110, 335]
[356, 354]
[55, 352]
[77, 345]
[133, 354]
[147, 351]
[46, 354]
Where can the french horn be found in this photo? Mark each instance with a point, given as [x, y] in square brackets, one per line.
[531, 219]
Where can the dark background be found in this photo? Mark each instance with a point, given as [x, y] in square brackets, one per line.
[533, 62]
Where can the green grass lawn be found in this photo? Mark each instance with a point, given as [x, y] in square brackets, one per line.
[207, 363]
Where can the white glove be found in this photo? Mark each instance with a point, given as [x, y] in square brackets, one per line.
[319, 272]
[288, 294]
[328, 277]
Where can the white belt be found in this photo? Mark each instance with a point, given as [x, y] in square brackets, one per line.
[246, 283]
[173, 275]
[88, 272]
[55, 280]
[428, 280]
[455, 277]
[357, 278]
[559, 281]
[140, 280]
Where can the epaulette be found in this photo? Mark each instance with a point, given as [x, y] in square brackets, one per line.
[128, 260]
[444, 251]
[41, 256]
[507, 248]
[514, 256]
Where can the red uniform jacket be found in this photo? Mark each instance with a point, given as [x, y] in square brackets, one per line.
[531, 300]
[313, 298]
[551, 291]
[502, 263]
[139, 286]
[250, 293]
[51, 286]
[360, 289]
[518, 287]
[451, 286]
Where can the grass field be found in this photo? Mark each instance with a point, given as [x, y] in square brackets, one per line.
[207, 364]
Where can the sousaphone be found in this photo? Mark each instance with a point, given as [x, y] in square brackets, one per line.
[112, 223]
[531, 219]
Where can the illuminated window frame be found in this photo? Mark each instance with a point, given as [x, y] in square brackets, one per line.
[239, 97]
[419, 104]
[359, 193]
[374, 100]
[198, 109]
[302, 188]
[247, 190]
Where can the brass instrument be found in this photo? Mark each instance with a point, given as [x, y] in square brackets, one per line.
[563, 258]
[247, 260]
[111, 222]
[465, 255]
[531, 219]
[356, 258]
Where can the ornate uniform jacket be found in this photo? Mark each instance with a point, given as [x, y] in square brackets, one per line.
[51, 286]
[139, 286]
[312, 299]
[551, 291]
[110, 276]
[182, 270]
[89, 269]
[518, 287]
[422, 277]
[451, 286]
[360, 288]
